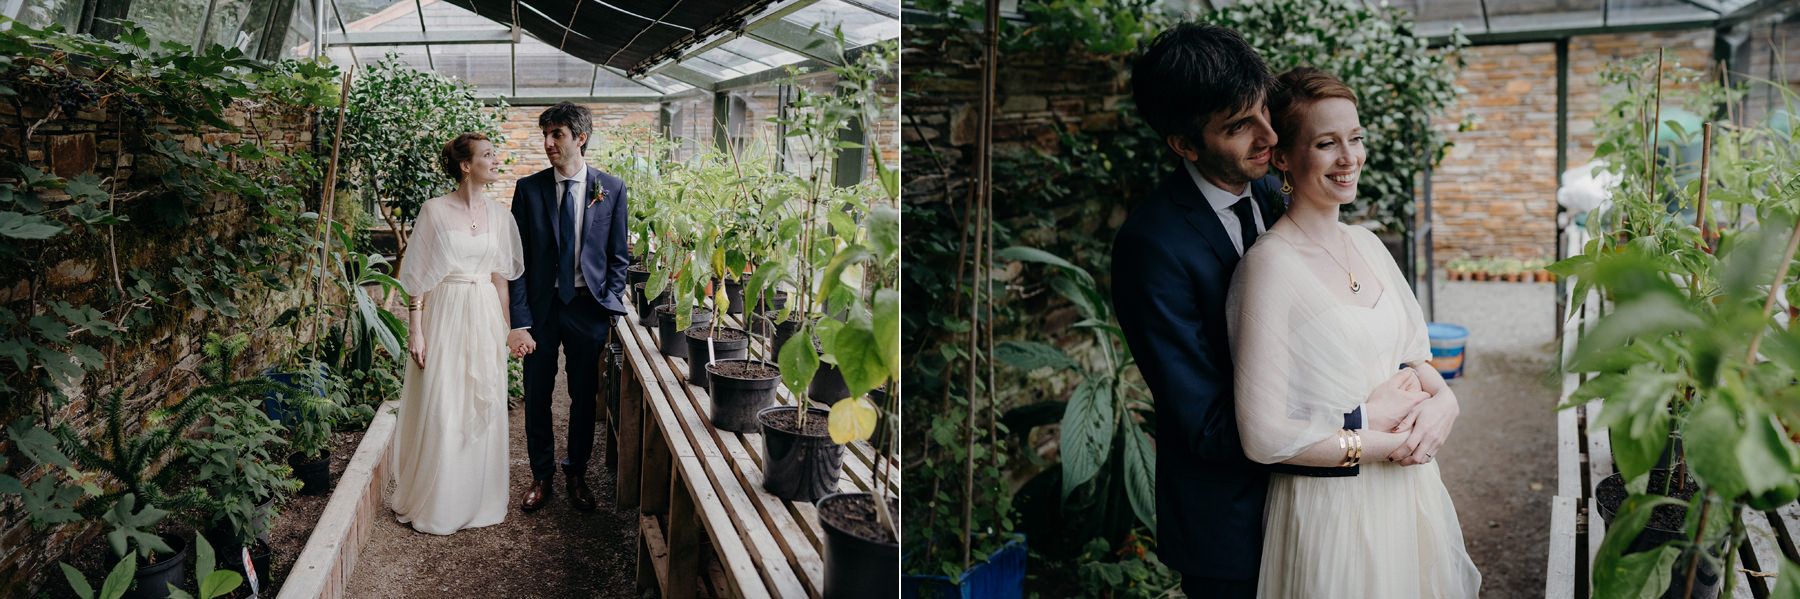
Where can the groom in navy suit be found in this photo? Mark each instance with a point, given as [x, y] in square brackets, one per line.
[572, 225]
[1202, 88]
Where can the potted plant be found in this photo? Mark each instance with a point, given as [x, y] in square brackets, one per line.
[316, 413]
[233, 462]
[1690, 364]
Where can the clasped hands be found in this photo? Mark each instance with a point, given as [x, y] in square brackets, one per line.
[1421, 406]
[520, 342]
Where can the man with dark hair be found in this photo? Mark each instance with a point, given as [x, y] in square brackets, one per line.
[572, 225]
[1202, 88]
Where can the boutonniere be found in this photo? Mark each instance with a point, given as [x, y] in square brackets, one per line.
[599, 195]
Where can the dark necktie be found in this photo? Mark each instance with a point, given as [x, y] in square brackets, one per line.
[1246, 222]
[565, 238]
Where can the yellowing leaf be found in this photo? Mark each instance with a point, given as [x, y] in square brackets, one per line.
[852, 419]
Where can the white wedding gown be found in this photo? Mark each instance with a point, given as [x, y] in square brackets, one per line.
[1305, 356]
[450, 441]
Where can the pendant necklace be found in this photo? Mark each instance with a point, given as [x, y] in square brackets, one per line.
[1355, 287]
[471, 216]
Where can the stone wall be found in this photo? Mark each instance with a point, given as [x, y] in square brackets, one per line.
[157, 368]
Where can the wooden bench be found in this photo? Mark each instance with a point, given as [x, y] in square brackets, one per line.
[707, 527]
[1584, 459]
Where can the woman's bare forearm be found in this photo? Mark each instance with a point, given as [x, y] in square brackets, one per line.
[1376, 445]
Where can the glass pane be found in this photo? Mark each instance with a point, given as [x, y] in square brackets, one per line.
[488, 66]
[296, 43]
[233, 22]
[412, 55]
[1654, 11]
[542, 65]
[1538, 15]
[175, 21]
[448, 16]
[860, 26]
[38, 14]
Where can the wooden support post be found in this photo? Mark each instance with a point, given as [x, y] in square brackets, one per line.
[684, 542]
[630, 438]
[653, 491]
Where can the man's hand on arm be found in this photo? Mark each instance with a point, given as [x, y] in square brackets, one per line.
[1391, 405]
[1431, 422]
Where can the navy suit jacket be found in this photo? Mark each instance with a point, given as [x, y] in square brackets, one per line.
[1171, 268]
[603, 256]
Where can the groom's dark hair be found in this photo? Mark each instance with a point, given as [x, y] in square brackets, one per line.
[1193, 71]
[569, 114]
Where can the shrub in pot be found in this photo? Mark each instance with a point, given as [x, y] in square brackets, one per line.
[859, 547]
[317, 412]
[709, 342]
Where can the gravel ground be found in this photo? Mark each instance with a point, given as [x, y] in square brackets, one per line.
[1500, 462]
[556, 551]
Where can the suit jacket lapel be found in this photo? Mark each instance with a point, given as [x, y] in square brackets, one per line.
[551, 195]
[1201, 216]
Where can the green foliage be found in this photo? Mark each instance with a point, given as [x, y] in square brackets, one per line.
[396, 126]
[1101, 27]
[1400, 84]
[117, 581]
[1677, 354]
[1131, 572]
[232, 456]
[213, 583]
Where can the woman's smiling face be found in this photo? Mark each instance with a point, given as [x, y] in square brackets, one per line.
[1325, 160]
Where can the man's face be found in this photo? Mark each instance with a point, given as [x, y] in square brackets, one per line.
[1235, 147]
[562, 147]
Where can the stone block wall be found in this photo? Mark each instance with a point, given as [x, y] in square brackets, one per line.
[157, 368]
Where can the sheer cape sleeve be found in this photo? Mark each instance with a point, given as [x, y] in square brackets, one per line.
[509, 261]
[1295, 377]
[427, 257]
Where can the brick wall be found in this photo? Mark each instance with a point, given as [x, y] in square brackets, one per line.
[524, 142]
[156, 368]
[1494, 195]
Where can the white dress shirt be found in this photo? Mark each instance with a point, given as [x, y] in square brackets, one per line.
[580, 195]
[1221, 202]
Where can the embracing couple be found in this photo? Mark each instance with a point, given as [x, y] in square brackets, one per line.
[486, 281]
[1297, 413]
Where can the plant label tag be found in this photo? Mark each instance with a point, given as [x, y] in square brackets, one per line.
[711, 357]
[250, 573]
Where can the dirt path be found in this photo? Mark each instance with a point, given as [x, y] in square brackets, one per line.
[554, 552]
[1500, 462]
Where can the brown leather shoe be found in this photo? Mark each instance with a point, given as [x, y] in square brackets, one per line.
[579, 495]
[537, 495]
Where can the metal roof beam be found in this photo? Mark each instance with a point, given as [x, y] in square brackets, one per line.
[418, 38]
[646, 84]
[690, 76]
[1752, 11]
[880, 8]
[1526, 36]
[633, 98]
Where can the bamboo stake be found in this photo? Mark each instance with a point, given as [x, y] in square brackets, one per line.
[325, 207]
[984, 203]
[1705, 170]
[1655, 125]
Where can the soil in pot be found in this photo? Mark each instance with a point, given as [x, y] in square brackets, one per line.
[1666, 524]
[727, 344]
[802, 465]
[858, 548]
[674, 343]
[314, 475]
[636, 273]
[741, 389]
[647, 306]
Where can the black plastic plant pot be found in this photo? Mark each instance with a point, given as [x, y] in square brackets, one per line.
[827, 386]
[647, 306]
[724, 348]
[801, 465]
[232, 558]
[153, 580]
[778, 334]
[633, 274]
[315, 475]
[738, 398]
[674, 341]
[1610, 493]
[734, 291]
[858, 548]
[776, 302]
[224, 536]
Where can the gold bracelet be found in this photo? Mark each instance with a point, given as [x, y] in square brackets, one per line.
[1356, 443]
[1344, 444]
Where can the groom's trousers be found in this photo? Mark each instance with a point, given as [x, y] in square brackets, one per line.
[580, 329]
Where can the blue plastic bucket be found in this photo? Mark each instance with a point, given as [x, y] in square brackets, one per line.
[1447, 343]
[1002, 576]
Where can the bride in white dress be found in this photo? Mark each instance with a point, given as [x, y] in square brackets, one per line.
[1320, 314]
[450, 442]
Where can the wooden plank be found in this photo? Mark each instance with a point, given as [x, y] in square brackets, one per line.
[631, 419]
[653, 554]
[1559, 575]
[684, 541]
[1596, 532]
[1599, 450]
[653, 490]
[741, 569]
[741, 512]
[1568, 453]
[1760, 552]
[1785, 521]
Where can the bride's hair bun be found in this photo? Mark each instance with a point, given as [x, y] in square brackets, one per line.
[459, 149]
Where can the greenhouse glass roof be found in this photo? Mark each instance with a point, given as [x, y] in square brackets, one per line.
[1511, 21]
[568, 49]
